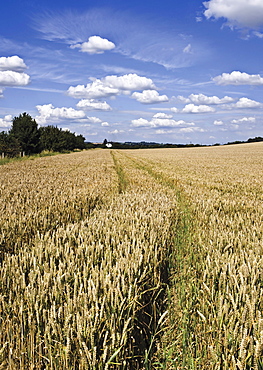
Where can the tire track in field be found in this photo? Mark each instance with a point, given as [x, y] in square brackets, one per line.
[182, 268]
[149, 320]
[122, 178]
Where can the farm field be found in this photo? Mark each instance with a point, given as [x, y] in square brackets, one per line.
[133, 259]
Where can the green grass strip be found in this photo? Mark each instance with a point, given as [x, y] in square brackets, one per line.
[122, 179]
[179, 342]
[7, 160]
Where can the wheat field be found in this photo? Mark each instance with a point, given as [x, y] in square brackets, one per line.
[133, 259]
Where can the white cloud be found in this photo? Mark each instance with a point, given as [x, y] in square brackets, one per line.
[94, 120]
[191, 129]
[129, 82]
[95, 45]
[188, 49]
[218, 123]
[209, 100]
[258, 34]
[6, 121]
[92, 104]
[247, 103]
[174, 110]
[104, 124]
[11, 72]
[116, 131]
[149, 97]
[13, 63]
[12, 78]
[191, 108]
[242, 13]
[160, 120]
[244, 120]
[164, 122]
[183, 99]
[141, 122]
[238, 78]
[163, 115]
[47, 113]
[110, 86]
[95, 90]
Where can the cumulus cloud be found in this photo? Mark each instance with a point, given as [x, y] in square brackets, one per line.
[48, 113]
[140, 122]
[174, 110]
[92, 104]
[201, 99]
[218, 123]
[11, 73]
[191, 108]
[160, 120]
[13, 63]
[95, 45]
[94, 120]
[238, 78]
[6, 121]
[244, 120]
[129, 82]
[149, 97]
[182, 99]
[241, 13]
[209, 100]
[247, 103]
[163, 115]
[95, 90]
[12, 78]
[111, 86]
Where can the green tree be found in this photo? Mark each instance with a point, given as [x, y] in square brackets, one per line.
[50, 139]
[9, 145]
[55, 139]
[25, 130]
[80, 142]
[105, 141]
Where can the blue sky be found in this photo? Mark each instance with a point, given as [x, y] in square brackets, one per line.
[165, 71]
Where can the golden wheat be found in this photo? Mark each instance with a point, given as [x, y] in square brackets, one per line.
[133, 260]
[222, 324]
[82, 264]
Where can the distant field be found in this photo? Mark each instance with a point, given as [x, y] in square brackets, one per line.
[133, 259]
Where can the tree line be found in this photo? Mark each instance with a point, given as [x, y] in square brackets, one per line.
[26, 137]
